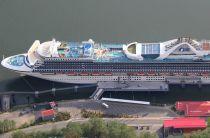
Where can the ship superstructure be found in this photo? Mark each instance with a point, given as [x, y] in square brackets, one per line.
[89, 62]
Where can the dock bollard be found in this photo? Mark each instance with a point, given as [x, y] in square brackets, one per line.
[53, 91]
[199, 84]
[75, 88]
[183, 83]
[37, 94]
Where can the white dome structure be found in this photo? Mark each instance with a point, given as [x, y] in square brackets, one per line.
[133, 51]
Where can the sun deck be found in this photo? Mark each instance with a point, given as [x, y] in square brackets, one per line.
[134, 52]
[176, 50]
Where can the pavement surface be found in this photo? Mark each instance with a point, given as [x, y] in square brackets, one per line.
[144, 117]
[116, 108]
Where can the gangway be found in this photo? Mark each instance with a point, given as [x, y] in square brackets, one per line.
[96, 95]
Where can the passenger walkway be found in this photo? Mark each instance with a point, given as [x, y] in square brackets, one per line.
[97, 93]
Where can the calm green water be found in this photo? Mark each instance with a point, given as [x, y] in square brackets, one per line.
[23, 21]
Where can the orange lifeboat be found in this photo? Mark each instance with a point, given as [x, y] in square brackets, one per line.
[107, 74]
[175, 74]
[204, 74]
[182, 74]
[72, 74]
[84, 74]
[191, 74]
[95, 74]
[151, 73]
[167, 74]
[162, 74]
[140, 73]
[130, 74]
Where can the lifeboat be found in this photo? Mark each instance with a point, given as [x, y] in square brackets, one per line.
[162, 74]
[151, 73]
[167, 74]
[204, 74]
[191, 74]
[140, 73]
[175, 74]
[95, 74]
[107, 74]
[182, 74]
[130, 74]
[84, 74]
[72, 74]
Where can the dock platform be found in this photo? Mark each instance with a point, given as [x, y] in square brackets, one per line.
[128, 86]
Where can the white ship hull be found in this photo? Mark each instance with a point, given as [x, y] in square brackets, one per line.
[93, 79]
[63, 78]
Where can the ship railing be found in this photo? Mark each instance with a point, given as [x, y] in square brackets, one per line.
[205, 41]
[68, 59]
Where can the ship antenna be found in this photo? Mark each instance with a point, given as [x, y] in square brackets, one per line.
[3, 56]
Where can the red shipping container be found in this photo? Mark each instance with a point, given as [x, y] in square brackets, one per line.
[194, 109]
[188, 122]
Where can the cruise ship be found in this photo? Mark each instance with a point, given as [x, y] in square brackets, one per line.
[88, 62]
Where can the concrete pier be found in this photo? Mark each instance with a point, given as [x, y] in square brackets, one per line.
[183, 80]
[129, 86]
[134, 86]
